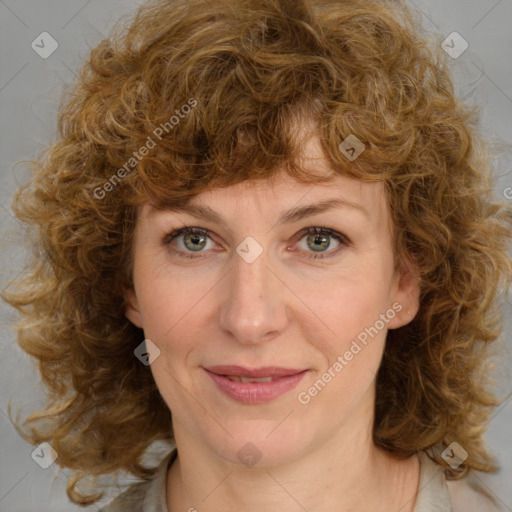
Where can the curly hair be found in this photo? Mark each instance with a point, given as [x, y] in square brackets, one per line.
[192, 94]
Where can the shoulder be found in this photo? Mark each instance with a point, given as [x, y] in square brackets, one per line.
[465, 498]
[147, 496]
[436, 493]
[130, 500]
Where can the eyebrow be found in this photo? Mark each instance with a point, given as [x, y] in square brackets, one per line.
[289, 217]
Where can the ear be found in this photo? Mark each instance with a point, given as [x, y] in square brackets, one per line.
[132, 311]
[406, 295]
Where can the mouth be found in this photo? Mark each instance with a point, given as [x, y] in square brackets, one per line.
[237, 378]
[255, 374]
[256, 386]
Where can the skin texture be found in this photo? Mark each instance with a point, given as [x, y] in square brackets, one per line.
[281, 310]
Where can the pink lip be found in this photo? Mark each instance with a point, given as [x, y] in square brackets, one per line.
[255, 392]
[240, 371]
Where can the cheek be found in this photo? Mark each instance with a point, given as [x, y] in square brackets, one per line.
[352, 351]
[178, 308]
[168, 300]
[348, 304]
[353, 344]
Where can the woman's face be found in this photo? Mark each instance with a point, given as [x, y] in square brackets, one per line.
[251, 294]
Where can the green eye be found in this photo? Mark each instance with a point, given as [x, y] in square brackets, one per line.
[195, 239]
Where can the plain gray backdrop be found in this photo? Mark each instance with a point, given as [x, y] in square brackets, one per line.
[30, 86]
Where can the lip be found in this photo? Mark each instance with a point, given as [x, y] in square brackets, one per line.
[254, 393]
[255, 373]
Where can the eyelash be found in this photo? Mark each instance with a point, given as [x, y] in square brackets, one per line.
[309, 231]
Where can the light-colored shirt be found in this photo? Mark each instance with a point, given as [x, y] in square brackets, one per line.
[435, 493]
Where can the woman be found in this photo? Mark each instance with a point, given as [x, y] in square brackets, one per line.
[266, 236]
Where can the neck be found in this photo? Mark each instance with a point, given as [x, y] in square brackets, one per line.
[346, 473]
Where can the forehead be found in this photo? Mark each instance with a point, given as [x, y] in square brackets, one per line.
[282, 191]
[283, 200]
[281, 196]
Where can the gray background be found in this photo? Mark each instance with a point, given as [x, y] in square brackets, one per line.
[30, 88]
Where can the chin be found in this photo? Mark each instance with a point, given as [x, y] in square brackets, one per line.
[259, 445]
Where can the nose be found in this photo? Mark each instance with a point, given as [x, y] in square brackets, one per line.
[253, 308]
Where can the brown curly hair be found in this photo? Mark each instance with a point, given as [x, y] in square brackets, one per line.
[246, 70]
